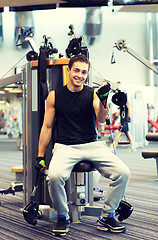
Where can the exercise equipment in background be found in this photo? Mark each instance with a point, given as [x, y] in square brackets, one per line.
[76, 45]
[24, 26]
[121, 45]
[153, 125]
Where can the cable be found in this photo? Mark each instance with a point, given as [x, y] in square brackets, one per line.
[104, 80]
[108, 118]
[12, 67]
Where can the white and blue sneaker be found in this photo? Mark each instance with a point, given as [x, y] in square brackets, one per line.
[62, 226]
[110, 224]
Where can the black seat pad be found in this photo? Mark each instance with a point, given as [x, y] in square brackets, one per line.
[150, 154]
[84, 166]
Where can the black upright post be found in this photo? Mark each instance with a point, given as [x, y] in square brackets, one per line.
[42, 95]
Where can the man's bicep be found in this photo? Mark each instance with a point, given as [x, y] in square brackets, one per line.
[95, 103]
[50, 110]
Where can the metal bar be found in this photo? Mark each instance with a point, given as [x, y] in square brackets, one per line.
[32, 44]
[142, 60]
[121, 45]
[29, 183]
[157, 168]
[92, 211]
[22, 3]
[9, 80]
[24, 134]
[90, 188]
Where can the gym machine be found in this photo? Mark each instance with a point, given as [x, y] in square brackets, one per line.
[55, 73]
[20, 78]
[146, 154]
[79, 186]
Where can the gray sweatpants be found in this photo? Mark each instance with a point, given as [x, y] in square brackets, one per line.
[108, 164]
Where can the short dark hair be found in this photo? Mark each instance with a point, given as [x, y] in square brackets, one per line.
[79, 58]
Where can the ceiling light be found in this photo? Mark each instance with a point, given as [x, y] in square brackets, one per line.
[2, 92]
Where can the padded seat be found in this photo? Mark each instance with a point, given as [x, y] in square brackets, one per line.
[80, 188]
[150, 154]
[84, 166]
[152, 137]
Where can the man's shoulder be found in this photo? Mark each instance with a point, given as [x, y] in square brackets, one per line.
[60, 89]
[51, 93]
[88, 88]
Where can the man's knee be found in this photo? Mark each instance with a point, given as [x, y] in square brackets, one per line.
[56, 178]
[125, 174]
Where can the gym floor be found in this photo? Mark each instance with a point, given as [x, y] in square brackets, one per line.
[142, 193]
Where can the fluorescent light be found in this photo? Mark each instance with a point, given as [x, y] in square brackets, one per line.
[15, 90]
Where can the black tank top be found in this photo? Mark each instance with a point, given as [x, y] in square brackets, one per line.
[75, 116]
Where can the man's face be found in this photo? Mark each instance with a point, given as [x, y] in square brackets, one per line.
[78, 73]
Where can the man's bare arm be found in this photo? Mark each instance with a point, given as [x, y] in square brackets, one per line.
[99, 109]
[46, 130]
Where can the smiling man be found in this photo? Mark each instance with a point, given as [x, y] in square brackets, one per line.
[75, 108]
[77, 75]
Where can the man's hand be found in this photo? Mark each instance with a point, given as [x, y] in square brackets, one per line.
[103, 91]
[40, 165]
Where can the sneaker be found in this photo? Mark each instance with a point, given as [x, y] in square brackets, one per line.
[110, 224]
[61, 228]
[131, 150]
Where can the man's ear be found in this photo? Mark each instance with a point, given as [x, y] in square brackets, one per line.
[68, 69]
